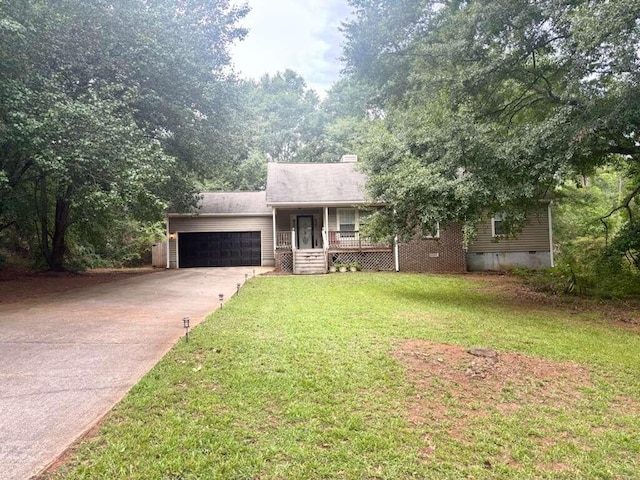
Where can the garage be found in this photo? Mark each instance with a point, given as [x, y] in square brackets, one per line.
[219, 249]
[225, 229]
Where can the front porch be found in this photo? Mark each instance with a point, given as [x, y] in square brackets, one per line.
[310, 240]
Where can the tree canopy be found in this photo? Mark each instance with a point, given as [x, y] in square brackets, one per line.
[109, 111]
[490, 104]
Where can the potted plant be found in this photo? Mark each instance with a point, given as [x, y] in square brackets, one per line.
[342, 267]
[332, 268]
[354, 266]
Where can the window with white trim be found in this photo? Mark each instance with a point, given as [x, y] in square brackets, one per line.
[352, 219]
[498, 228]
[347, 219]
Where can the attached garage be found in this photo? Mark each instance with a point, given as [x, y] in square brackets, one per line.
[220, 249]
[228, 230]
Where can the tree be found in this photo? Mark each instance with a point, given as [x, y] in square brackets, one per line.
[286, 112]
[491, 103]
[109, 111]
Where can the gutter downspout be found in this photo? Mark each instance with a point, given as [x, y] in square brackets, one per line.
[550, 235]
[168, 243]
[396, 256]
[275, 233]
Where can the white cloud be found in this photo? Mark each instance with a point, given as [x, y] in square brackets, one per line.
[300, 35]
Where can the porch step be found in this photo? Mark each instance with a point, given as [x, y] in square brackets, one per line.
[308, 262]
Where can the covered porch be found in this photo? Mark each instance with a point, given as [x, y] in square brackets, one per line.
[326, 235]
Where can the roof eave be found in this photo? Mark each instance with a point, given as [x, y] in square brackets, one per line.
[186, 215]
[324, 204]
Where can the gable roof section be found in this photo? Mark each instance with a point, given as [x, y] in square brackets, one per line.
[230, 203]
[315, 183]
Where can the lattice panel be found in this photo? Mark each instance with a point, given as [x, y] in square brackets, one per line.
[286, 261]
[371, 261]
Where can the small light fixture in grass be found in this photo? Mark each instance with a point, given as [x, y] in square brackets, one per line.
[238, 287]
[221, 298]
[185, 324]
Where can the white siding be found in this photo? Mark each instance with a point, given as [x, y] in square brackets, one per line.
[263, 224]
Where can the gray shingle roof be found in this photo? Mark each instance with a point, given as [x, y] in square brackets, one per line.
[233, 202]
[324, 183]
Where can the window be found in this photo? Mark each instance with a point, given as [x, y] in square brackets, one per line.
[347, 219]
[498, 228]
[436, 231]
[351, 219]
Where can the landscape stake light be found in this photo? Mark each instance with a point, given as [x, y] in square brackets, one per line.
[246, 277]
[238, 287]
[221, 297]
[185, 323]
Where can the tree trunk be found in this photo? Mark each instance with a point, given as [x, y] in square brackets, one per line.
[44, 221]
[58, 246]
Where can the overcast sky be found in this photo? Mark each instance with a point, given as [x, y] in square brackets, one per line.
[301, 35]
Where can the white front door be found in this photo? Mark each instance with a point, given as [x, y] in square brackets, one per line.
[305, 231]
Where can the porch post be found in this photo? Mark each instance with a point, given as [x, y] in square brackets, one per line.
[326, 219]
[325, 224]
[293, 239]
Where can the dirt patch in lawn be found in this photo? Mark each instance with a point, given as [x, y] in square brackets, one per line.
[454, 386]
[17, 285]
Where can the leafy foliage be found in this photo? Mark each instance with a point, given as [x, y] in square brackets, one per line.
[108, 112]
[595, 250]
[488, 104]
[285, 121]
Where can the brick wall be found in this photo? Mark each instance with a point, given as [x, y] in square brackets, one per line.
[437, 255]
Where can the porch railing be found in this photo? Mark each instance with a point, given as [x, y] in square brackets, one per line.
[285, 239]
[352, 239]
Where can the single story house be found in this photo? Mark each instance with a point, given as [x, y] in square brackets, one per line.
[309, 218]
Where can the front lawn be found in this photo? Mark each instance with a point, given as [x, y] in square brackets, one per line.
[367, 376]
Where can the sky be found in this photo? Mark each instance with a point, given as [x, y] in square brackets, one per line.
[301, 35]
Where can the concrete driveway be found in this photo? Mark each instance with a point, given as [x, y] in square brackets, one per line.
[66, 360]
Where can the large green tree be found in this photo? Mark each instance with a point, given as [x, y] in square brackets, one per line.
[285, 121]
[109, 110]
[490, 103]
[286, 117]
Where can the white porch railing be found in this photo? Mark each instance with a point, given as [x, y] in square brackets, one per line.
[352, 239]
[285, 240]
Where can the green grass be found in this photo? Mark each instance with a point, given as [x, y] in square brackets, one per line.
[295, 379]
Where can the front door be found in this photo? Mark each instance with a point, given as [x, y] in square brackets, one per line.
[305, 231]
